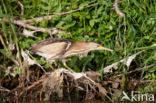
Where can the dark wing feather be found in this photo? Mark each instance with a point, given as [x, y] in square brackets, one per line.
[48, 41]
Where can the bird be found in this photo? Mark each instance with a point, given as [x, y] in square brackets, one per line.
[60, 48]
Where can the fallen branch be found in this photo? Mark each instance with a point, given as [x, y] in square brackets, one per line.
[24, 23]
[118, 11]
[39, 19]
[38, 29]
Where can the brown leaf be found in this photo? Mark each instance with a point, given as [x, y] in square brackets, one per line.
[28, 33]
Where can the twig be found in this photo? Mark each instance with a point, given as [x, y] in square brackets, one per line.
[14, 90]
[33, 85]
[147, 81]
[138, 69]
[21, 5]
[118, 11]
[39, 19]
[50, 31]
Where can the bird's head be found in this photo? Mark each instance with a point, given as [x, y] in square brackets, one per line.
[96, 46]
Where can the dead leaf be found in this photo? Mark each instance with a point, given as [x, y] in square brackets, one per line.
[127, 62]
[27, 58]
[130, 59]
[109, 68]
[28, 33]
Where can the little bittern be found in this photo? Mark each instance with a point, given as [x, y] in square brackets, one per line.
[59, 48]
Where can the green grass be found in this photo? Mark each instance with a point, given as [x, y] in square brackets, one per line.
[99, 24]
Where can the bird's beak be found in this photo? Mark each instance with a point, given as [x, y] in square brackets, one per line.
[104, 48]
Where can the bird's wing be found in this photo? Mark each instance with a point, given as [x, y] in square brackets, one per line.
[48, 41]
[67, 46]
[51, 48]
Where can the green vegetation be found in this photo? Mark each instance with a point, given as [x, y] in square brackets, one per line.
[98, 23]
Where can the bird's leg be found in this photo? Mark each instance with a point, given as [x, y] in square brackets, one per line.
[66, 66]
